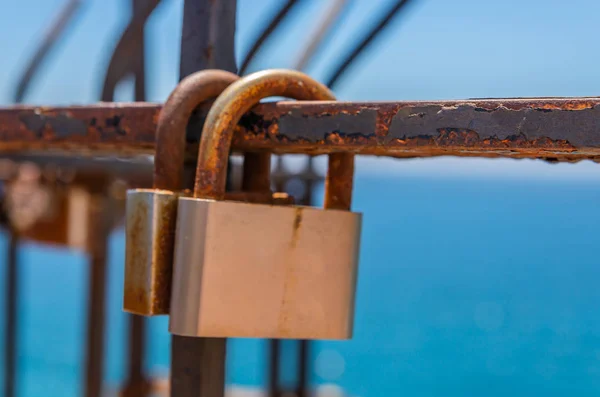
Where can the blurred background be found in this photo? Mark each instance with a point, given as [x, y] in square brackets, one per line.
[477, 277]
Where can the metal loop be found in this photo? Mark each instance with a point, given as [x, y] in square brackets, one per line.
[228, 109]
[173, 120]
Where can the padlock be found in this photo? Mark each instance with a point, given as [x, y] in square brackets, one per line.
[263, 271]
[151, 213]
[47, 212]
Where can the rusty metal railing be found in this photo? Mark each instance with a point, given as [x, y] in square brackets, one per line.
[553, 129]
[562, 129]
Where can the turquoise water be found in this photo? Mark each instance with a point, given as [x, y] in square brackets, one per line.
[467, 287]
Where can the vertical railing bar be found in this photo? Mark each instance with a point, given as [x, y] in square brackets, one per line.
[207, 42]
[11, 339]
[97, 245]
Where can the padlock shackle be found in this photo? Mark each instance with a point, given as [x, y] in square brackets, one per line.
[173, 119]
[227, 111]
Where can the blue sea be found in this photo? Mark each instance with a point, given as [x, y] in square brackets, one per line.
[469, 286]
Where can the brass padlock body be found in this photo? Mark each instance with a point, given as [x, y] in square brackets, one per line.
[263, 271]
[151, 215]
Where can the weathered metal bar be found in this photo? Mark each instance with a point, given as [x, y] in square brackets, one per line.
[137, 384]
[11, 302]
[98, 234]
[558, 128]
[207, 41]
[303, 389]
[207, 37]
[273, 364]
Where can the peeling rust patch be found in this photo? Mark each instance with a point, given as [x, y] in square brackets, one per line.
[114, 123]
[457, 137]
[580, 128]
[255, 124]
[295, 125]
[62, 125]
[34, 122]
[65, 126]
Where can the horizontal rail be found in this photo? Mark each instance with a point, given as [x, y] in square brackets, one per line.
[561, 129]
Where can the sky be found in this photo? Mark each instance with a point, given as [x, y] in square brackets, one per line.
[438, 49]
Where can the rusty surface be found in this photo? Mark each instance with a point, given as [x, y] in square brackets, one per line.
[226, 112]
[564, 129]
[105, 128]
[150, 226]
[79, 168]
[338, 182]
[257, 172]
[511, 128]
[151, 215]
[173, 120]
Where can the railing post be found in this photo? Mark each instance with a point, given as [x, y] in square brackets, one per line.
[207, 41]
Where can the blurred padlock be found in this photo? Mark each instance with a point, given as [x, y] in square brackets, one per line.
[263, 271]
[67, 223]
[47, 212]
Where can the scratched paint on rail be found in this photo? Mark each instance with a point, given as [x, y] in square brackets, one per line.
[62, 124]
[500, 123]
[464, 124]
[295, 125]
